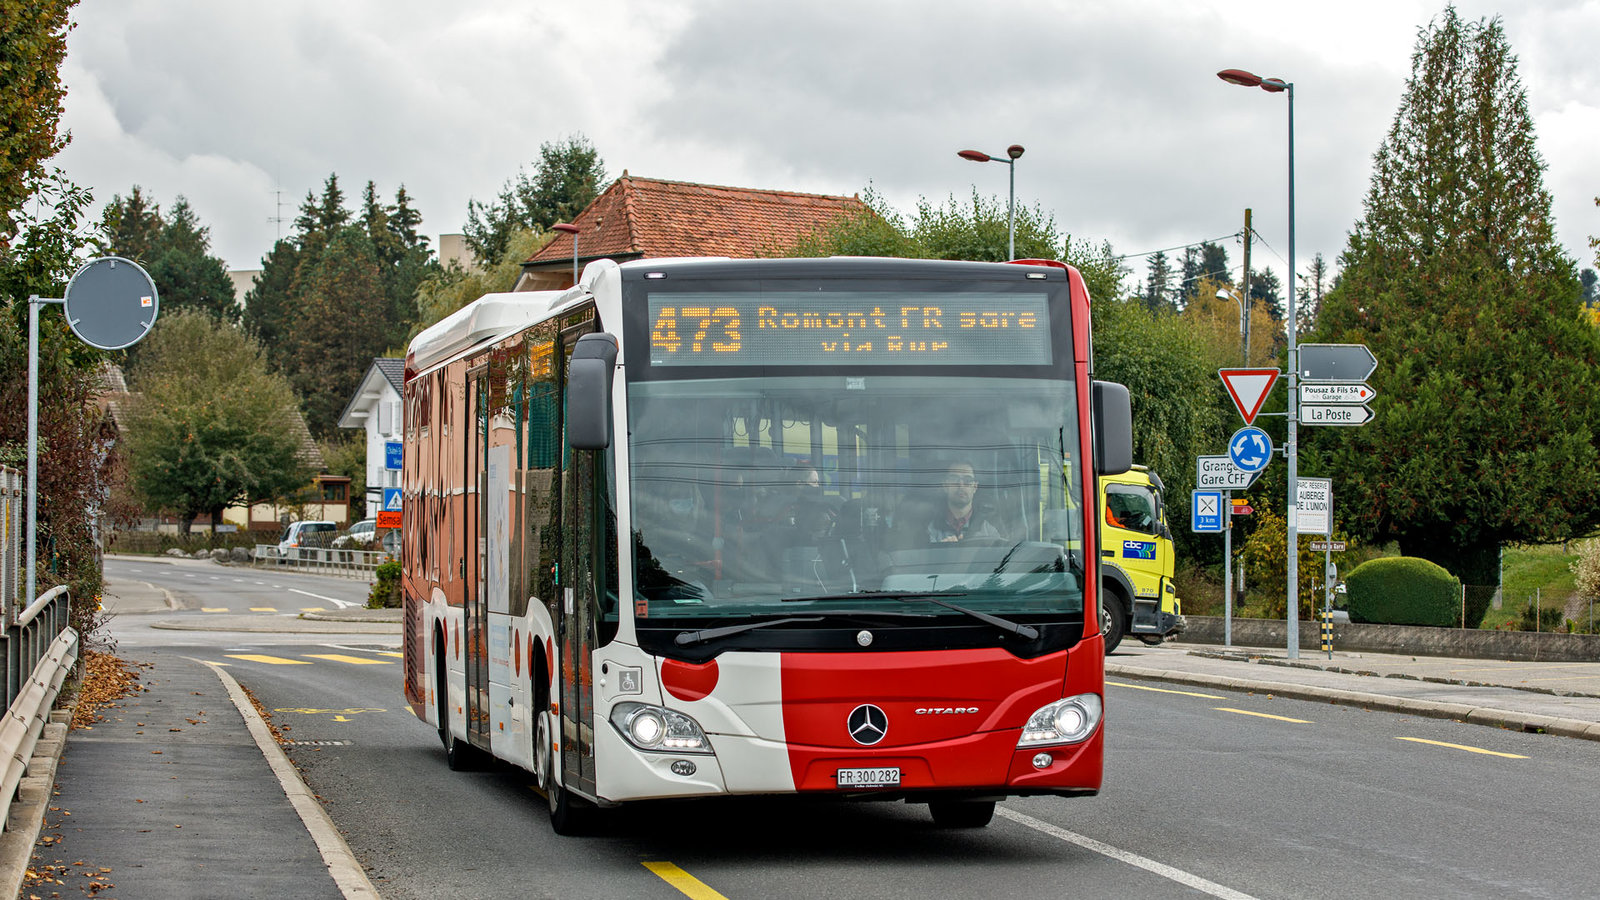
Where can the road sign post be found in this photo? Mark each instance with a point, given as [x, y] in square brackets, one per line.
[1249, 389]
[1206, 512]
[1335, 362]
[1250, 449]
[110, 303]
[1219, 472]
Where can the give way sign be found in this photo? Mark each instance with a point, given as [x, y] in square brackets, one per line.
[1249, 389]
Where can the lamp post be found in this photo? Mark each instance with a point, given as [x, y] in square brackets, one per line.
[1275, 86]
[572, 230]
[1014, 152]
[1244, 323]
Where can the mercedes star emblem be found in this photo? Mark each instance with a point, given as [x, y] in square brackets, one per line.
[868, 724]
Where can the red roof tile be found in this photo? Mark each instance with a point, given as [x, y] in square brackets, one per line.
[647, 217]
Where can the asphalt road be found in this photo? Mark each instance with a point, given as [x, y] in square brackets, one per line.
[1207, 793]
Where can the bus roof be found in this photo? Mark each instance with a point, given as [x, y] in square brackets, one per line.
[484, 318]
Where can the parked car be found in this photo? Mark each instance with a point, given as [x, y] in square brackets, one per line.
[359, 536]
[298, 536]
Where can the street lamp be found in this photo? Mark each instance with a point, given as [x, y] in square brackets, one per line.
[1014, 152]
[1244, 323]
[1275, 86]
[572, 230]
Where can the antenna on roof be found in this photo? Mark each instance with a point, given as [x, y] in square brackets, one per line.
[279, 219]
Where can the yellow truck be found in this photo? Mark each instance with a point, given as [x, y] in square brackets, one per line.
[1138, 597]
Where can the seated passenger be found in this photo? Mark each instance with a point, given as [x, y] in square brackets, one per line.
[809, 514]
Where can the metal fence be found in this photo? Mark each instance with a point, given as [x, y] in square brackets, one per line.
[321, 560]
[13, 516]
[40, 649]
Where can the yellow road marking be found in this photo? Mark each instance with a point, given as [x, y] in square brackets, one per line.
[1462, 747]
[263, 609]
[311, 609]
[689, 885]
[394, 653]
[352, 660]
[1140, 687]
[1246, 712]
[213, 609]
[269, 660]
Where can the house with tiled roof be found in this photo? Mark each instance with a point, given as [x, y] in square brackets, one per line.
[375, 408]
[641, 218]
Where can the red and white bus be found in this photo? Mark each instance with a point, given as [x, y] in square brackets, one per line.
[712, 527]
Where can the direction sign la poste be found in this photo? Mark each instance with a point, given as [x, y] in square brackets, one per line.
[1336, 362]
[1249, 389]
[1336, 392]
[1219, 473]
[1335, 415]
[1205, 511]
[1250, 449]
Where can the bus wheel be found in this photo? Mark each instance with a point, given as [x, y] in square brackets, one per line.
[569, 814]
[541, 751]
[457, 753]
[1113, 621]
[961, 813]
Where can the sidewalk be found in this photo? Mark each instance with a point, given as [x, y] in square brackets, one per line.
[180, 790]
[1558, 698]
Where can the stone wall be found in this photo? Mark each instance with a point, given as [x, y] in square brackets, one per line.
[1403, 639]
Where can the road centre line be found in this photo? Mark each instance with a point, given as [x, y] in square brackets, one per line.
[1246, 712]
[263, 609]
[689, 885]
[352, 660]
[1462, 747]
[342, 604]
[1140, 687]
[214, 609]
[1187, 879]
[269, 660]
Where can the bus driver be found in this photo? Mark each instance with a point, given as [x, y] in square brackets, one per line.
[957, 519]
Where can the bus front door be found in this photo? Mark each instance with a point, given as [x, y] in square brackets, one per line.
[475, 607]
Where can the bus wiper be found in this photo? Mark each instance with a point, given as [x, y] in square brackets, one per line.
[711, 634]
[685, 638]
[1026, 632]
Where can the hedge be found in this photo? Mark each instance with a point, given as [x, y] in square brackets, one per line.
[1404, 590]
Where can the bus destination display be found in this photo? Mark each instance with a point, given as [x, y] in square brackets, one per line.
[814, 328]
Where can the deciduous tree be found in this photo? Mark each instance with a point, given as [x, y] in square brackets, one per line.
[207, 424]
[33, 42]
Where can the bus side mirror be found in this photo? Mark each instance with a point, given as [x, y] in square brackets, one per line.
[594, 361]
[1111, 421]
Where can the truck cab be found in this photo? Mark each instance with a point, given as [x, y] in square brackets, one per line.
[1137, 562]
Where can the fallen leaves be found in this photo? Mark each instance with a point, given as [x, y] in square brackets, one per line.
[106, 679]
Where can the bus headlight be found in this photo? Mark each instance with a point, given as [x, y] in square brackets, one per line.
[659, 729]
[1065, 721]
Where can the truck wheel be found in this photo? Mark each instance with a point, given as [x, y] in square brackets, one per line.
[1113, 621]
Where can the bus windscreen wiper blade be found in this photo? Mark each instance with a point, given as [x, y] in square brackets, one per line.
[1026, 632]
[685, 638]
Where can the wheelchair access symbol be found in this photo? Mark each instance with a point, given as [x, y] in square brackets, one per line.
[1250, 449]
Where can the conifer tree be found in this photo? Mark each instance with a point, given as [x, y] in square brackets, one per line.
[1487, 393]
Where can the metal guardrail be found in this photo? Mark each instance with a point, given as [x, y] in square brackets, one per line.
[323, 560]
[40, 649]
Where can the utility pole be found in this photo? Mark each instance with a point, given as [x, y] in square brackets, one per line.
[1245, 328]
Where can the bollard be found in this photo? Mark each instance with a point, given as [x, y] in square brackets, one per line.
[1327, 633]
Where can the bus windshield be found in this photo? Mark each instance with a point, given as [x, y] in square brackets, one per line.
[755, 496]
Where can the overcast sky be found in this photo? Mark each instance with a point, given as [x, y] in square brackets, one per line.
[1130, 136]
